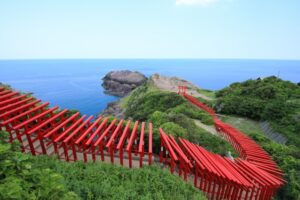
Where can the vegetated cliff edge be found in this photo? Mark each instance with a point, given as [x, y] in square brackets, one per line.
[122, 83]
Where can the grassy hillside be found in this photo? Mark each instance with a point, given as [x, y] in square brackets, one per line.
[278, 102]
[174, 114]
[26, 177]
[270, 99]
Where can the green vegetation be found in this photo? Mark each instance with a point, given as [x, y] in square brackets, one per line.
[106, 181]
[21, 179]
[270, 99]
[142, 103]
[175, 115]
[192, 112]
[276, 101]
[209, 93]
[247, 126]
[26, 177]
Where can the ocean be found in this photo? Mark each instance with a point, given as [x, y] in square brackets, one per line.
[76, 84]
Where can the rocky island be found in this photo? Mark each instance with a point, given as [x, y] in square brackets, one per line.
[121, 83]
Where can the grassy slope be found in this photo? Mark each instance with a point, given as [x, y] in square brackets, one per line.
[209, 93]
[23, 176]
[174, 114]
[106, 181]
[270, 99]
[248, 126]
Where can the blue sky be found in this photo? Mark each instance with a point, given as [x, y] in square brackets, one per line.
[260, 29]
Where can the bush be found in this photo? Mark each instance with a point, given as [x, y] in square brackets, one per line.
[106, 181]
[20, 179]
[142, 104]
[158, 118]
[174, 129]
[192, 112]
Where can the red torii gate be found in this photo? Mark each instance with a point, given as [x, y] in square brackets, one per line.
[182, 89]
[132, 138]
[248, 150]
[26, 125]
[18, 115]
[16, 105]
[13, 100]
[54, 133]
[213, 173]
[69, 137]
[111, 142]
[166, 151]
[46, 126]
[122, 141]
[81, 141]
[41, 129]
[170, 149]
[90, 141]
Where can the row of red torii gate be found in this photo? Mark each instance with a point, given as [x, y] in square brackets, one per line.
[41, 129]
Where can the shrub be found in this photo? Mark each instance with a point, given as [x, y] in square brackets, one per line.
[192, 112]
[20, 179]
[141, 106]
[107, 181]
[174, 129]
[158, 118]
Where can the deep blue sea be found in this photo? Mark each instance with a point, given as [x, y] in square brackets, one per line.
[76, 84]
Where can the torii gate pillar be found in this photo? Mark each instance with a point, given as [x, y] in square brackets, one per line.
[182, 90]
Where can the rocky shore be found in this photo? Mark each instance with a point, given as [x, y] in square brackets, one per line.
[114, 109]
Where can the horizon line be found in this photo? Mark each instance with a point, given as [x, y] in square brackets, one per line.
[28, 59]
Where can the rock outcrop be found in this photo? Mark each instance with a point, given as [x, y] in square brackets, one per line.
[121, 83]
[114, 109]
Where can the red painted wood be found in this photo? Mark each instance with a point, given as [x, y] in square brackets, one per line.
[88, 130]
[64, 123]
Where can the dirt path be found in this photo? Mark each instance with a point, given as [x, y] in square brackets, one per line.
[210, 129]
